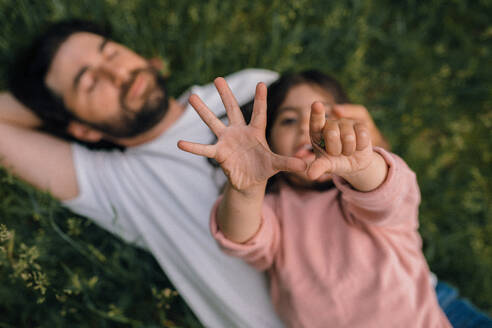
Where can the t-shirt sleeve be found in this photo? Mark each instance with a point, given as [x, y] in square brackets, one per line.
[260, 250]
[394, 203]
[101, 191]
[243, 83]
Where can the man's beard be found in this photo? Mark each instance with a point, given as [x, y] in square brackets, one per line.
[130, 122]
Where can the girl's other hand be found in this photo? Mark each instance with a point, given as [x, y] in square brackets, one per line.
[241, 150]
[342, 146]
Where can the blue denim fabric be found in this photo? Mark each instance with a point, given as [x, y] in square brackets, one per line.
[460, 312]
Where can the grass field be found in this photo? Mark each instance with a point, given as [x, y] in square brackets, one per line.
[422, 68]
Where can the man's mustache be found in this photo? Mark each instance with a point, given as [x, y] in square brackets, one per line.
[125, 87]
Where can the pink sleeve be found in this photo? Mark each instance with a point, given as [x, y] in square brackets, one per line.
[259, 251]
[395, 202]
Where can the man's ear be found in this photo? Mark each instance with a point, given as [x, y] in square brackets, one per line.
[83, 132]
[160, 64]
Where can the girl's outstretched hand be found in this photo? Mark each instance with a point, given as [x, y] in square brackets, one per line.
[342, 147]
[241, 149]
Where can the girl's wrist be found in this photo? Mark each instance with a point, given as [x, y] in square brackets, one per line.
[374, 158]
[251, 191]
[370, 177]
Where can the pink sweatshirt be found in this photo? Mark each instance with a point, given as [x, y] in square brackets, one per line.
[344, 258]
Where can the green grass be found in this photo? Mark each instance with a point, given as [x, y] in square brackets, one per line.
[422, 68]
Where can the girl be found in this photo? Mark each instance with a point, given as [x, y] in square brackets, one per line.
[343, 256]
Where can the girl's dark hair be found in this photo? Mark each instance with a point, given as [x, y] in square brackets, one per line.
[27, 74]
[277, 92]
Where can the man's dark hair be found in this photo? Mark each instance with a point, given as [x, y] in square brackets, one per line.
[28, 72]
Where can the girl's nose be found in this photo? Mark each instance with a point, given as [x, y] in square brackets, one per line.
[304, 129]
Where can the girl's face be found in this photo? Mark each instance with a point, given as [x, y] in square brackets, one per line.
[290, 130]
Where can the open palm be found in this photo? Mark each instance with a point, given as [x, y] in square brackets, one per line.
[241, 149]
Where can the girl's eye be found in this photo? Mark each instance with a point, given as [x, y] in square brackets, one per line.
[287, 121]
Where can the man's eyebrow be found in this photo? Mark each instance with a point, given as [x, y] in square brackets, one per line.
[103, 44]
[76, 80]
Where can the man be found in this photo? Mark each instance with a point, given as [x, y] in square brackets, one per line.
[77, 80]
[152, 194]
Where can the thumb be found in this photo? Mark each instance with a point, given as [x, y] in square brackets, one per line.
[318, 167]
[290, 164]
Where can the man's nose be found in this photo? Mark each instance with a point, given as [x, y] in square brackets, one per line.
[116, 73]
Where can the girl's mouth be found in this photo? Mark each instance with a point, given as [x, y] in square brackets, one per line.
[305, 152]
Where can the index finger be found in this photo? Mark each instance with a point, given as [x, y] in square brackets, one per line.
[231, 106]
[317, 121]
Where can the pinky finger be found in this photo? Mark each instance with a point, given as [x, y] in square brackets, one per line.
[197, 149]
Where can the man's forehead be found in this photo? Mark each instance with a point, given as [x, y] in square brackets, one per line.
[78, 46]
[73, 54]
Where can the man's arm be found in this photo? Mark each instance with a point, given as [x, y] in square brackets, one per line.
[40, 159]
[14, 113]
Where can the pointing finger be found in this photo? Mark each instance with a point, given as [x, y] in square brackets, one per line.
[316, 121]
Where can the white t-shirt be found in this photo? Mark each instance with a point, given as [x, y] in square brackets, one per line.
[159, 198]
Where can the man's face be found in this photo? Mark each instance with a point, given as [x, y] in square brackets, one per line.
[107, 86]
